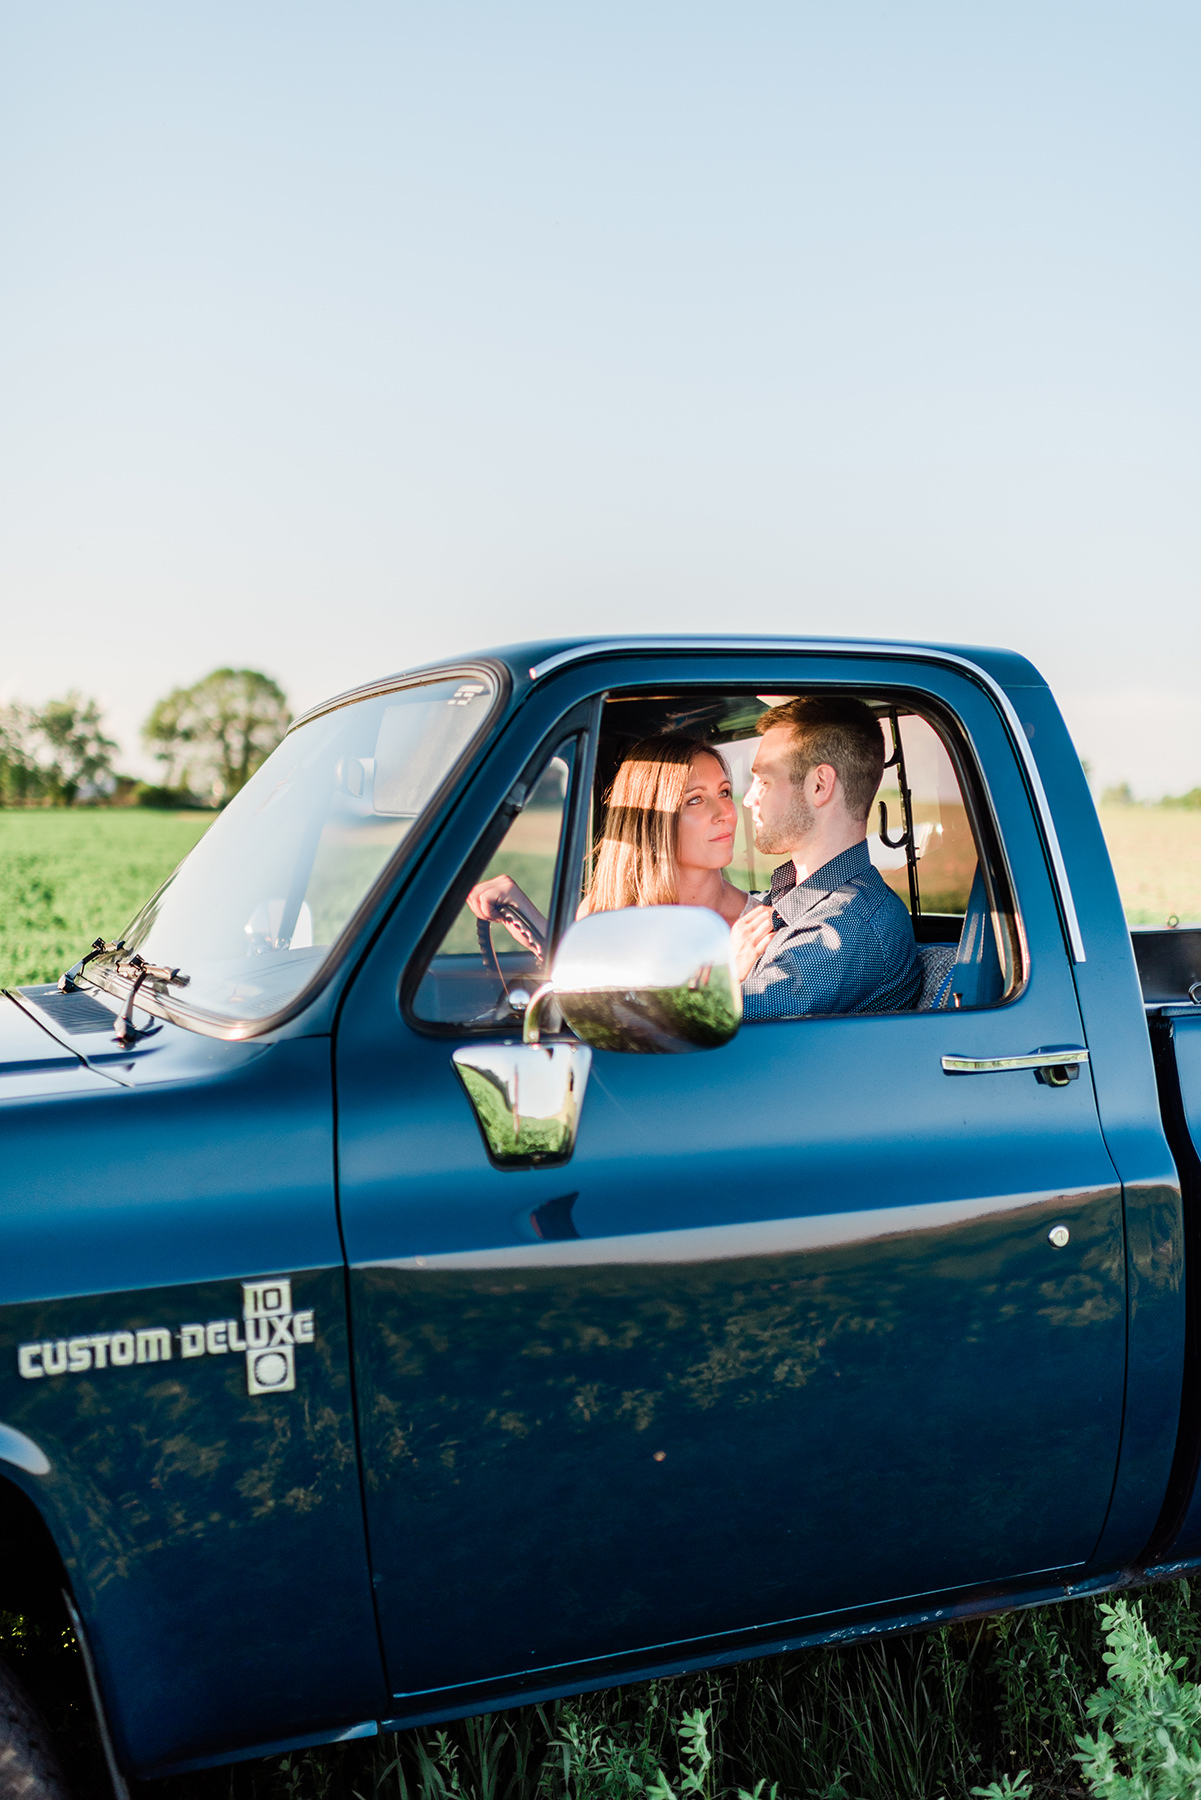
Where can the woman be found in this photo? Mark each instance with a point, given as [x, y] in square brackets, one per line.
[667, 839]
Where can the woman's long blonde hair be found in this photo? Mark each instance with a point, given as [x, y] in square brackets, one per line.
[636, 854]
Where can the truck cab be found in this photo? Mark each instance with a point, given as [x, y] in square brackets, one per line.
[370, 1359]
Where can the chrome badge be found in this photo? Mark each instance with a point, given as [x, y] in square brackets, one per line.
[272, 1331]
[267, 1335]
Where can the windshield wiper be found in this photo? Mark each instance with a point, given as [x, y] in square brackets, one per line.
[133, 968]
[67, 983]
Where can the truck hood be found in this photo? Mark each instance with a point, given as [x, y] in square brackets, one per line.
[33, 1063]
[50, 1037]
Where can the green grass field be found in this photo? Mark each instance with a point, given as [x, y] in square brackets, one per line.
[1156, 853]
[68, 877]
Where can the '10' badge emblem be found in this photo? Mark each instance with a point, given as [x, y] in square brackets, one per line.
[267, 1310]
[267, 1335]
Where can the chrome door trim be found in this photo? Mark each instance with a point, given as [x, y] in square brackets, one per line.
[1040, 1059]
[119, 1785]
[22, 1452]
[919, 653]
[755, 1237]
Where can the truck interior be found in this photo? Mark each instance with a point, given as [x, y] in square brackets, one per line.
[931, 836]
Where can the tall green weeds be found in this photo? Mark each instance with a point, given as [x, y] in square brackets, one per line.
[1067, 1703]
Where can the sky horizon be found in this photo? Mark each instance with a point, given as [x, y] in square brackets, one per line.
[134, 758]
[336, 343]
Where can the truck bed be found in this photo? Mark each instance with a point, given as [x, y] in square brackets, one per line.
[1169, 961]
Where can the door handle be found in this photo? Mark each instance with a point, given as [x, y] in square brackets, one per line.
[527, 1099]
[1053, 1067]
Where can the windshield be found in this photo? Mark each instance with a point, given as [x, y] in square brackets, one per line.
[254, 911]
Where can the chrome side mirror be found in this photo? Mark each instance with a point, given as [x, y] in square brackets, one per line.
[652, 980]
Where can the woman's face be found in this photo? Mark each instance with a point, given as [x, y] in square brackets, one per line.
[707, 817]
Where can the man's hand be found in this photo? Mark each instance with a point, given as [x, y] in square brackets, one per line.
[751, 933]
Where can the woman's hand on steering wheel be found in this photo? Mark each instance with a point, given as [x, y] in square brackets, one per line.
[503, 901]
[485, 898]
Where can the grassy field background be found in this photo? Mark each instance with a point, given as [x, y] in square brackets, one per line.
[1156, 853]
[67, 877]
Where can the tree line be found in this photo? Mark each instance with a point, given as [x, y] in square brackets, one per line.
[1123, 795]
[208, 740]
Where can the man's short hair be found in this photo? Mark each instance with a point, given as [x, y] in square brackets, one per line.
[834, 729]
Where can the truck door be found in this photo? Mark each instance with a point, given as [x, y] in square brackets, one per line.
[807, 1324]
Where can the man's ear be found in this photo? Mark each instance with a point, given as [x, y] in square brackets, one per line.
[822, 784]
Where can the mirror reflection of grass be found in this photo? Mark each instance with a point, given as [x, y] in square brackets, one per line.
[545, 1136]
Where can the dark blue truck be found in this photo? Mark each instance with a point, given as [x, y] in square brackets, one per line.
[394, 1329]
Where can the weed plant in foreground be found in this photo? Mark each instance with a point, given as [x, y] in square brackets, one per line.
[1085, 1701]
[1076, 1700]
[68, 876]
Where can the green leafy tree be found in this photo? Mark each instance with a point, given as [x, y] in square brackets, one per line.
[20, 777]
[60, 754]
[74, 755]
[212, 736]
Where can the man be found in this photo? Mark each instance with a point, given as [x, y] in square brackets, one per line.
[834, 938]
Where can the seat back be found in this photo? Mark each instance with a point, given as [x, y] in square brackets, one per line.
[938, 967]
[978, 979]
[973, 971]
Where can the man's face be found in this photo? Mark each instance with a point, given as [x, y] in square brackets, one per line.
[783, 817]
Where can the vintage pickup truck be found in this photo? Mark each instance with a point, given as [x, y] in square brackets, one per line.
[394, 1328]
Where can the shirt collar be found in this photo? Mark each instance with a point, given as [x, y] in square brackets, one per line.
[832, 875]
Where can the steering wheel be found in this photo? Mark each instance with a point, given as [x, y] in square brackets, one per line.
[505, 913]
[483, 932]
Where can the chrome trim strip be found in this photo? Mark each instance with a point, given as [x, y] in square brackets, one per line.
[1041, 1059]
[727, 1243]
[846, 647]
[120, 1789]
[940, 1608]
[22, 1452]
[407, 678]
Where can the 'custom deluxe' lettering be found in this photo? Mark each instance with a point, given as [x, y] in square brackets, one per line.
[266, 1335]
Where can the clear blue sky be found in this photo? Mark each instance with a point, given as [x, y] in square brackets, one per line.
[336, 337]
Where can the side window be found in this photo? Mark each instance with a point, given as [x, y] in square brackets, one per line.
[945, 855]
[944, 848]
[930, 832]
[482, 974]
